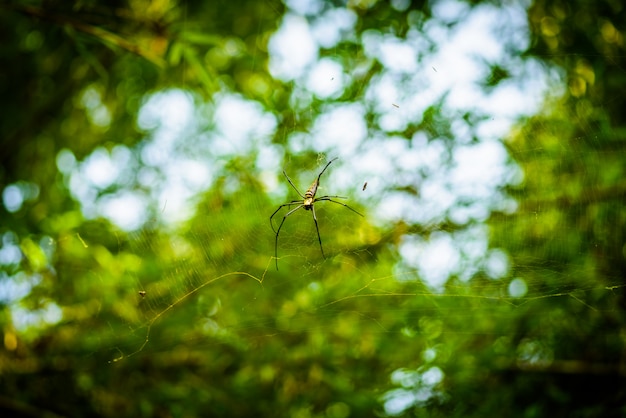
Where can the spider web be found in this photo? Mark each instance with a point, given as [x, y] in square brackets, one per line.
[202, 297]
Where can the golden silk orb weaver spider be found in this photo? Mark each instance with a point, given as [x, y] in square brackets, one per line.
[307, 202]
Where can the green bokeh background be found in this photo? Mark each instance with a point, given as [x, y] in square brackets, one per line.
[220, 332]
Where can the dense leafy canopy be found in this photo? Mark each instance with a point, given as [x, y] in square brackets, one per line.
[142, 149]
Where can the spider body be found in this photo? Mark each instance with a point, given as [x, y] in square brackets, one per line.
[309, 195]
[307, 202]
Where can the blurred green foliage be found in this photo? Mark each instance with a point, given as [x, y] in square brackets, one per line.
[193, 320]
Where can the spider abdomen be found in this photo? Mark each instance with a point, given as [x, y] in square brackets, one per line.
[310, 193]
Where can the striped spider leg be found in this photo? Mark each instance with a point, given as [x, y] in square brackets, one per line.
[307, 202]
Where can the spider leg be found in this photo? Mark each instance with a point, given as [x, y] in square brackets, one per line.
[293, 202]
[328, 199]
[280, 226]
[322, 172]
[317, 229]
[292, 185]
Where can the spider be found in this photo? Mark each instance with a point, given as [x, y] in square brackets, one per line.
[307, 203]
